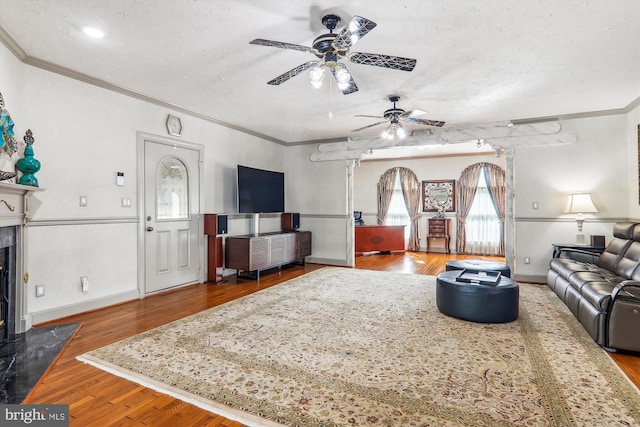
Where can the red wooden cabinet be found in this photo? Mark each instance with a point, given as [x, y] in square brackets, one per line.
[379, 238]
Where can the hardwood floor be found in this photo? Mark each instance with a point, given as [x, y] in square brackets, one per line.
[96, 398]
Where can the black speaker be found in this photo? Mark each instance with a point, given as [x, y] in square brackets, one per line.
[290, 221]
[597, 241]
[222, 224]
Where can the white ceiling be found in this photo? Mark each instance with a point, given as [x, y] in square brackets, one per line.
[478, 62]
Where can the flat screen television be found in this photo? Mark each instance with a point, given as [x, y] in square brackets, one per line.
[260, 191]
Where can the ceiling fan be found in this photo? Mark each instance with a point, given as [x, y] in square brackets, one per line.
[396, 115]
[330, 48]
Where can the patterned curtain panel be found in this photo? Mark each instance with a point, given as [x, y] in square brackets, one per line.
[496, 182]
[466, 191]
[411, 191]
[386, 183]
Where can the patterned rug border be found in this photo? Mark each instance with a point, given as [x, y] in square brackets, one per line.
[203, 403]
[550, 387]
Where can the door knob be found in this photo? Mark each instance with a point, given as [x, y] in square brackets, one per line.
[149, 228]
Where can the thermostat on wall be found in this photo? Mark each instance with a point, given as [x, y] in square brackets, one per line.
[119, 178]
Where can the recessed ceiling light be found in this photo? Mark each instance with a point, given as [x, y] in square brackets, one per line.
[93, 32]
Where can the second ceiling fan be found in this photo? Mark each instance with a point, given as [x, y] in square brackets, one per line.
[396, 115]
[330, 48]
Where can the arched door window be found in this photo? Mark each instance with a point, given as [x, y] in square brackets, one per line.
[172, 190]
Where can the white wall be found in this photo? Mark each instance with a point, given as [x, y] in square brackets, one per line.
[596, 163]
[603, 161]
[318, 190]
[83, 136]
[366, 178]
[633, 159]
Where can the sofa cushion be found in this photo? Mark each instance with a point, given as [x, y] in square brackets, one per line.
[626, 230]
[609, 258]
[598, 294]
[581, 278]
[565, 267]
[628, 262]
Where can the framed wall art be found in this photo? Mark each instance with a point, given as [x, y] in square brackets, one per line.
[439, 196]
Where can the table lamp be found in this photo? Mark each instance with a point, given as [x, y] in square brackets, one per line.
[580, 203]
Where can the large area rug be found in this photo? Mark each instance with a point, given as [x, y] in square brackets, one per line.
[344, 347]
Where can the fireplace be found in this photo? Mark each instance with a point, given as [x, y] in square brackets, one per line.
[14, 219]
[7, 282]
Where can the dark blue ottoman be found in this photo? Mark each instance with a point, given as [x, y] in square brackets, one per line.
[497, 303]
[479, 265]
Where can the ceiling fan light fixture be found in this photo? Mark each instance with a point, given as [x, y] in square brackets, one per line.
[316, 74]
[342, 75]
[401, 132]
[316, 85]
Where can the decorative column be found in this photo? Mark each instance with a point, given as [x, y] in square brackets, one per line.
[350, 259]
[509, 220]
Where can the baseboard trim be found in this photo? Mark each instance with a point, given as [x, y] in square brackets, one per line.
[84, 306]
[328, 261]
[541, 280]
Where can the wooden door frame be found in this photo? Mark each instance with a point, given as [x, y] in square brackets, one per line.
[141, 138]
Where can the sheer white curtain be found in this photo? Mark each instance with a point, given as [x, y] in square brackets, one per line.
[483, 226]
[397, 213]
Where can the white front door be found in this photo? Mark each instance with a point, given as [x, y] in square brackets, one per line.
[171, 217]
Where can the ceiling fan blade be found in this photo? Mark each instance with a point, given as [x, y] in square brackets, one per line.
[415, 112]
[366, 127]
[346, 87]
[414, 121]
[364, 115]
[292, 73]
[281, 45]
[385, 61]
[357, 28]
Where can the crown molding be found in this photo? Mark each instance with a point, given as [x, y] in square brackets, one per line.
[19, 53]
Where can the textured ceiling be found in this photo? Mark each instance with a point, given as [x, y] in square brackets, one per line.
[477, 61]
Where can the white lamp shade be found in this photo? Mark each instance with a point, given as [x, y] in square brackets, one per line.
[580, 203]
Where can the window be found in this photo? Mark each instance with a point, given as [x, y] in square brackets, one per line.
[172, 190]
[398, 214]
[483, 225]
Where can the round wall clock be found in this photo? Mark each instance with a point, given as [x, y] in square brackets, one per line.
[174, 125]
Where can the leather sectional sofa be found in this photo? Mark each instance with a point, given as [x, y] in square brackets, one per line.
[603, 292]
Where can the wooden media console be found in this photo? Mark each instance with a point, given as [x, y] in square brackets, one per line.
[251, 254]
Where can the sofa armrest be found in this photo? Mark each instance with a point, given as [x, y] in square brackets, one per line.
[577, 254]
[623, 318]
[629, 289]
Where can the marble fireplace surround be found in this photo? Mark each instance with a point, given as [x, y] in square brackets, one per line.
[14, 215]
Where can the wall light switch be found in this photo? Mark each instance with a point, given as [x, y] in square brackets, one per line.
[84, 281]
[40, 291]
[120, 178]
[83, 201]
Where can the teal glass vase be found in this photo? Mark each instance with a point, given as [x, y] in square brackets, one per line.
[28, 165]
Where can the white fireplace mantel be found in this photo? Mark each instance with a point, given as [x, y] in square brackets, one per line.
[14, 203]
[14, 212]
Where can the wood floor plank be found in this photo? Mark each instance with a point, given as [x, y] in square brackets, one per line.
[101, 399]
